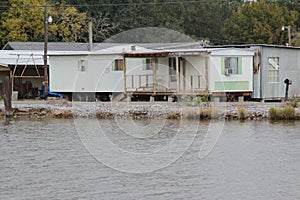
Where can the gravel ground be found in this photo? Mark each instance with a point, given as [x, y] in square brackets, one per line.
[60, 108]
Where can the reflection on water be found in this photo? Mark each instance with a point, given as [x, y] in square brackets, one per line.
[45, 159]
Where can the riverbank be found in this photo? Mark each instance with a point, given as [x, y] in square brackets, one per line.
[142, 110]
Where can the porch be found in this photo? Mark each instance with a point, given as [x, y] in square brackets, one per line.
[146, 84]
[166, 73]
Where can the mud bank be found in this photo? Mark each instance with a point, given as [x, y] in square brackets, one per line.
[142, 110]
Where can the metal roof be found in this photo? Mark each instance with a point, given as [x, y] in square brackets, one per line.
[253, 45]
[111, 50]
[69, 46]
[10, 57]
[231, 51]
[52, 46]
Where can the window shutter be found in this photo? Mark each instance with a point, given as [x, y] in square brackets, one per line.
[79, 65]
[113, 65]
[222, 65]
[122, 64]
[240, 65]
[144, 64]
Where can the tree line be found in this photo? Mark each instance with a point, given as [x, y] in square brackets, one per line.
[218, 21]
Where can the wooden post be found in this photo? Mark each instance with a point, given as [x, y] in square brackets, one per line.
[177, 75]
[140, 81]
[45, 52]
[206, 74]
[124, 71]
[7, 94]
[183, 74]
[147, 81]
[192, 82]
[154, 74]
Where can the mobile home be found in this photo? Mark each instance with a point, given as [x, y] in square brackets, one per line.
[138, 71]
[129, 69]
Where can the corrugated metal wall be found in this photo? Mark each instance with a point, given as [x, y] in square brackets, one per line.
[289, 67]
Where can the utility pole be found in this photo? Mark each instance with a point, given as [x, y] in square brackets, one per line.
[289, 33]
[7, 96]
[45, 52]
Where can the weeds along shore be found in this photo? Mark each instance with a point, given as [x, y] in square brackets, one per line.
[154, 110]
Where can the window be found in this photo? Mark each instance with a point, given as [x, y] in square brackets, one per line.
[148, 64]
[82, 65]
[172, 69]
[232, 65]
[273, 69]
[118, 65]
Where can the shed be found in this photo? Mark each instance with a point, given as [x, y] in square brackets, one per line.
[274, 65]
[26, 69]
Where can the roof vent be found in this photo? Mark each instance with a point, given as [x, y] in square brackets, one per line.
[133, 48]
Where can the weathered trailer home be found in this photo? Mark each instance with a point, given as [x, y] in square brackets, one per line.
[129, 69]
[137, 71]
[84, 73]
[230, 73]
[273, 65]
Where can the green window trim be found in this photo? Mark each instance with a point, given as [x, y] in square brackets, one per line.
[144, 64]
[223, 65]
[113, 65]
[240, 65]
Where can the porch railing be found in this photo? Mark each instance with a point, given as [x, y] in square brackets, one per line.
[163, 83]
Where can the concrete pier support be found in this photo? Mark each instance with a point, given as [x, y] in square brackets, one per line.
[151, 98]
[128, 98]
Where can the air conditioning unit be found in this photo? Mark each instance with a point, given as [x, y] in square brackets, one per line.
[228, 71]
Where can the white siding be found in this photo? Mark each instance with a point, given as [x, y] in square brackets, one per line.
[195, 65]
[99, 77]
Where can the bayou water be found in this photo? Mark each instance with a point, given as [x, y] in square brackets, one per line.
[47, 159]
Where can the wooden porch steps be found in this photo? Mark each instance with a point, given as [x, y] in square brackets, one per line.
[119, 97]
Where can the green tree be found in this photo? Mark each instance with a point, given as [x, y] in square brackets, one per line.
[68, 24]
[148, 15]
[205, 20]
[259, 22]
[200, 20]
[24, 21]
[3, 7]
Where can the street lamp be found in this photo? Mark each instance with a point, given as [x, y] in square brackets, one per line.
[289, 33]
[47, 19]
